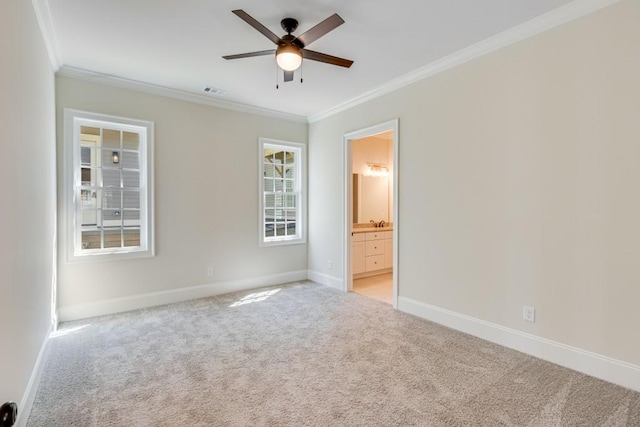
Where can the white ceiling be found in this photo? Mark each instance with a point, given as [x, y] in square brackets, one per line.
[179, 44]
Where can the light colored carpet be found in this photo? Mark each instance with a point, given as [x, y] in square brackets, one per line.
[305, 355]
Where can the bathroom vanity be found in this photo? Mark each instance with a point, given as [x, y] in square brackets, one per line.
[371, 251]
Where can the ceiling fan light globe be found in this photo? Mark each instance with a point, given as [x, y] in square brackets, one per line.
[288, 58]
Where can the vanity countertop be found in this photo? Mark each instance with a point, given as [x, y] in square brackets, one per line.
[370, 229]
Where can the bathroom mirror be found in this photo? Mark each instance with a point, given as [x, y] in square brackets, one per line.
[370, 198]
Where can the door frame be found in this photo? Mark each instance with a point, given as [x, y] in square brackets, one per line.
[391, 125]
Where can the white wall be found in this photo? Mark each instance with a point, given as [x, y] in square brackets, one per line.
[518, 176]
[206, 192]
[370, 150]
[28, 214]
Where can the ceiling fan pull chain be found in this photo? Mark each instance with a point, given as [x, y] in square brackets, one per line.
[277, 69]
[301, 71]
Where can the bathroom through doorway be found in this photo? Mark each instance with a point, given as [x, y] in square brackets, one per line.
[371, 215]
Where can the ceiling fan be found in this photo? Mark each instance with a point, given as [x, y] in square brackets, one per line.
[291, 49]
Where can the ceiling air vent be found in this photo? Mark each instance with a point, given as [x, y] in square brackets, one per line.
[209, 90]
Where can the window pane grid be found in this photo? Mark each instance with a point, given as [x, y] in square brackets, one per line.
[280, 215]
[281, 188]
[110, 191]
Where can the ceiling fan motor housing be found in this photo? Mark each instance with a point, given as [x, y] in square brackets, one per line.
[289, 25]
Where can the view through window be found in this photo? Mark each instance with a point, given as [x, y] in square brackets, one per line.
[111, 180]
[282, 192]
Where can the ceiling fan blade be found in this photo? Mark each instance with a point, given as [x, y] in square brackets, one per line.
[250, 54]
[288, 76]
[320, 30]
[323, 57]
[255, 24]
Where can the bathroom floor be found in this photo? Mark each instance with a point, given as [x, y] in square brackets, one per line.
[379, 287]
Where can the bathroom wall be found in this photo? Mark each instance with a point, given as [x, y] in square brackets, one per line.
[377, 149]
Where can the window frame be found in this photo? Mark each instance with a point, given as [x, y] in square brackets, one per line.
[73, 120]
[301, 185]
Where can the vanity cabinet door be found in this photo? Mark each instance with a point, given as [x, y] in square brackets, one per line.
[358, 264]
[388, 253]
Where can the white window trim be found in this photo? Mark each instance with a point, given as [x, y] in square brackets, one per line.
[301, 223]
[71, 153]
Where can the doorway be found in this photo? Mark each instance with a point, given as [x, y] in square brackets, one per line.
[371, 216]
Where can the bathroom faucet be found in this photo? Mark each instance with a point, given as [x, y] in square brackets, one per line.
[381, 223]
[373, 222]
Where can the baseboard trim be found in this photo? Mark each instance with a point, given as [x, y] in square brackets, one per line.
[25, 405]
[325, 279]
[596, 365]
[134, 302]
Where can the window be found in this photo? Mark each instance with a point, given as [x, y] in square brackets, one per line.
[282, 187]
[108, 186]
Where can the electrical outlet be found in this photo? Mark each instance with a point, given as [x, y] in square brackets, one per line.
[529, 314]
[210, 271]
[330, 264]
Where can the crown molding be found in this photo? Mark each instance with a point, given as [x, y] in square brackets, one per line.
[547, 21]
[109, 80]
[45, 22]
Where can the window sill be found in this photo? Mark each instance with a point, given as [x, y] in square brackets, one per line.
[109, 256]
[265, 244]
